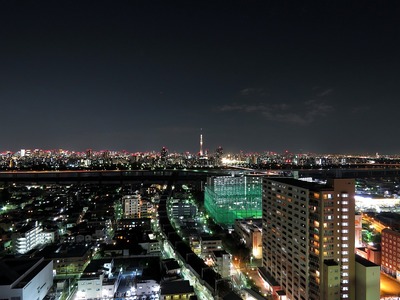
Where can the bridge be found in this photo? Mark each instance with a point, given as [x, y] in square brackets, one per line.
[197, 175]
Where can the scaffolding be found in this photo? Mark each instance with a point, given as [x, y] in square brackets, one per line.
[229, 198]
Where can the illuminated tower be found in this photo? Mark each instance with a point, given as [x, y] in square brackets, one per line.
[201, 144]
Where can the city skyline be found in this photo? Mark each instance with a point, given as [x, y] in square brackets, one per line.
[260, 76]
[206, 152]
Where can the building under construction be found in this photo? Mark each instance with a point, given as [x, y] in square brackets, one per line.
[228, 198]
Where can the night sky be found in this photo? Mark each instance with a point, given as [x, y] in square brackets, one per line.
[311, 76]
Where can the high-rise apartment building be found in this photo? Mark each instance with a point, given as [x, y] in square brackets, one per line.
[308, 237]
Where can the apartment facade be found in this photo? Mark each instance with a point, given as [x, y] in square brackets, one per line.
[221, 261]
[308, 237]
[249, 232]
[135, 207]
[391, 252]
[209, 244]
[27, 238]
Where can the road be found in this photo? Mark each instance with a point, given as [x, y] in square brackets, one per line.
[389, 286]
[244, 272]
[253, 274]
[378, 226]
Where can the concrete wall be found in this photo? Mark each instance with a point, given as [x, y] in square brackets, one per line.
[367, 282]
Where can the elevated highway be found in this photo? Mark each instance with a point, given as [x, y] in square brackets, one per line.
[198, 175]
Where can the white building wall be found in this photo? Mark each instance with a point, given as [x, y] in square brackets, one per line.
[48, 237]
[224, 264]
[367, 282]
[108, 290]
[131, 205]
[147, 287]
[36, 289]
[25, 242]
[90, 288]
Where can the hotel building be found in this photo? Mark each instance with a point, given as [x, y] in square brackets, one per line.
[391, 252]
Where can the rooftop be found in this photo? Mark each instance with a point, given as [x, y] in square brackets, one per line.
[171, 264]
[365, 262]
[209, 238]
[97, 264]
[16, 269]
[299, 183]
[176, 287]
[63, 250]
[267, 276]
[220, 253]
[330, 262]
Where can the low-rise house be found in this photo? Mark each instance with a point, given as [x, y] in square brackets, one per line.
[67, 259]
[222, 262]
[209, 244]
[171, 266]
[249, 232]
[98, 280]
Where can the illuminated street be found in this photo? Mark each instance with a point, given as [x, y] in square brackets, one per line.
[389, 286]
[201, 291]
[378, 226]
[259, 282]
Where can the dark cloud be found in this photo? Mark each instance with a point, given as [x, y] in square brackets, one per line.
[302, 114]
[360, 109]
[325, 93]
[139, 75]
[253, 91]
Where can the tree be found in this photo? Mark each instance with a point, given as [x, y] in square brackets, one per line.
[376, 239]
[5, 196]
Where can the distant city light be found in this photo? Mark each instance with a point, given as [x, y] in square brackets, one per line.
[365, 203]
